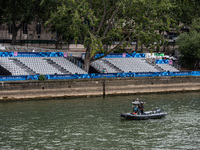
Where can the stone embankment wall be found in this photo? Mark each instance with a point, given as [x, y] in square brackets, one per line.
[17, 90]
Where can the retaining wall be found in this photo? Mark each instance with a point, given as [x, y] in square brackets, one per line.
[17, 90]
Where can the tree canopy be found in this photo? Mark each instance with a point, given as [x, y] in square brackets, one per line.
[97, 24]
[185, 11]
[20, 12]
[189, 46]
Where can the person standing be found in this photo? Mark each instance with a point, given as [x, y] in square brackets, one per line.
[142, 108]
[138, 109]
[103, 70]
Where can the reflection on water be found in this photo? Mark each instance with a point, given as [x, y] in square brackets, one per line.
[95, 123]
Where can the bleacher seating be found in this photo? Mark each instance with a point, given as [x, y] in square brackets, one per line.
[39, 65]
[167, 67]
[116, 65]
[103, 63]
[132, 64]
[48, 64]
[8, 64]
[68, 65]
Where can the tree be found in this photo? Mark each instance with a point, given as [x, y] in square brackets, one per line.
[2, 3]
[97, 24]
[153, 18]
[185, 11]
[60, 23]
[19, 12]
[189, 46]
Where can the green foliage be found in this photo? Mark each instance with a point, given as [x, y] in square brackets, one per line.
[196, 25]
[189, 46]
[20, 12]
[41, 77]
[97, 24]
[185, 11]
[119, 51]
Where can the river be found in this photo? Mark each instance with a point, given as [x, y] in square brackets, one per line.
[94, 123]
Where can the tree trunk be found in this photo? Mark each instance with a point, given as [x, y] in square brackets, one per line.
[164, 48]
[14, 36]
[141, 48]
[87, 60]
[15, 30]
[136, 46]
[157, 49]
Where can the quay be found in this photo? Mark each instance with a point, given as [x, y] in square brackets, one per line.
[48, 89]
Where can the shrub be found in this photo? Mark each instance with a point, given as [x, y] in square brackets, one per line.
[41, 77]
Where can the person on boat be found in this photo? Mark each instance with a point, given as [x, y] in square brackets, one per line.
[138, 109]
[134, 110]
[142, 108]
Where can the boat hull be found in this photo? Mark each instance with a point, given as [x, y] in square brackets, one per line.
[131, 116]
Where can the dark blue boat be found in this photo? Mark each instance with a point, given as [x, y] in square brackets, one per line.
[157, 114]
[138, 113]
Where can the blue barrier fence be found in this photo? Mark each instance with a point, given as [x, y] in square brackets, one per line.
[13, 78]
[31, 54]
[163, 61]
[61, 54]
[100, 75]
[123, 55]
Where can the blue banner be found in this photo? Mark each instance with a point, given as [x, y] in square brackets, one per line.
[31, 54]
[195, 73]
[66, 76]
[182, 73]
[163, 61]
[139, 55]
[100, 75]
[13, 78]
[61, 54]
[147, 74]
[122, 55]
[6, 54]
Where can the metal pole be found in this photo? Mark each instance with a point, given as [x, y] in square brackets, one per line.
[104, 89]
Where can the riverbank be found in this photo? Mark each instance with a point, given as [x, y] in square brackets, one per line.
[25, 90]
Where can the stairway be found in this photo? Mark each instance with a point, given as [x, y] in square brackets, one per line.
[55, 65]
[23, 66]
[155, 66]
[112, 66]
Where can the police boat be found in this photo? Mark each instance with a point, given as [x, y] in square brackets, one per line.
[137, 114]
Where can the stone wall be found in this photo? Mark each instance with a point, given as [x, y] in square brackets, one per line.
[95, 87]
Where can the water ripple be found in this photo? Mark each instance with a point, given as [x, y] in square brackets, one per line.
[94, 123]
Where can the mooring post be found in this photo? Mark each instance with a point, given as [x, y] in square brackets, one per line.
[104, 89]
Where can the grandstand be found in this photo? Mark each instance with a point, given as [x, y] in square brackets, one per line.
[50, 63]
[67, 65]
[116, 65]
[132, 64]
[104, 63]
[39, 65]
[167, 67]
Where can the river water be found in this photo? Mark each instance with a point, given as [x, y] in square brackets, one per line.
[95, 123]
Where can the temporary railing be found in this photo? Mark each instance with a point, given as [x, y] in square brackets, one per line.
[101, 75]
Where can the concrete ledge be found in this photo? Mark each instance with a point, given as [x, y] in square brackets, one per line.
[95, 87]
